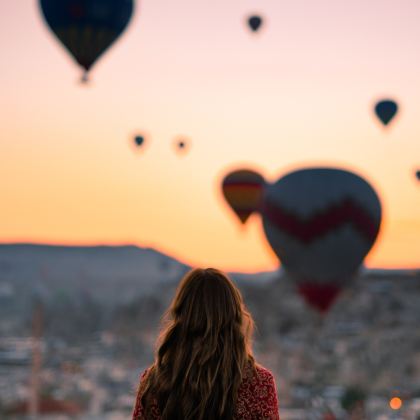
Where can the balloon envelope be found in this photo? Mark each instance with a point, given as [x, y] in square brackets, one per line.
[418, 175]
[87, 28]
[139, 140]
[386, 110]
[243, 190]
[255, 22]
[321, 223]
[182, 145]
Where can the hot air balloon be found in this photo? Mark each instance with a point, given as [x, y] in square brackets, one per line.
[243, 190]
[321, 223]
[181, 145]
[87, 28]
[138, 140]
[418, 175]
[386, 110]
[255, 22]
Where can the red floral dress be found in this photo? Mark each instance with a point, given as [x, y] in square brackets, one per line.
[257, 398]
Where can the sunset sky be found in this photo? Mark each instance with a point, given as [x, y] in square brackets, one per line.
[299, 93]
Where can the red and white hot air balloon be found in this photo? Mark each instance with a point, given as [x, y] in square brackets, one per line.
[321, 223]
[243, 190]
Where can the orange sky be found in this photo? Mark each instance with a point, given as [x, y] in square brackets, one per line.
[298, 94]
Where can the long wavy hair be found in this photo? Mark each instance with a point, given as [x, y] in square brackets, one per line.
[204, 351]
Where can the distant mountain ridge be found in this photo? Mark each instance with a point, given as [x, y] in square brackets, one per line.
[110, 274]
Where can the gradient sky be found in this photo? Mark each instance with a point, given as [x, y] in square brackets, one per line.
[300, 93]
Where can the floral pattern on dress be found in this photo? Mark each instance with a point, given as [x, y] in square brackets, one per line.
[257, 398]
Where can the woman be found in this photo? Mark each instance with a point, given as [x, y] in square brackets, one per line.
[204, 368]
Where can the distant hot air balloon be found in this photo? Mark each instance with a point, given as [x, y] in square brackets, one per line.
[321, 223]
[138, 140]
[386, 110]
[181, 145]
[87, 28]
[243, 190]
[255, 22]
[418, 175]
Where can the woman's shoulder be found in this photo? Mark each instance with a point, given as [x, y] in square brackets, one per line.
[257, 396]
[258, 373]
[138, 412]
[263, 373]
[257, 377]
[144, 376]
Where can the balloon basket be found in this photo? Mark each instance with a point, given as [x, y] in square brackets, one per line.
[84, 80]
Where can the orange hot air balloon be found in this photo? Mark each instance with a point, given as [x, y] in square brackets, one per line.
[243, 190]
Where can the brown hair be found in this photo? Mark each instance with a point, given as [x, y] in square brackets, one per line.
[204, 349]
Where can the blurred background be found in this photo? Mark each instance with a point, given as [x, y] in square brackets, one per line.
[276, 140]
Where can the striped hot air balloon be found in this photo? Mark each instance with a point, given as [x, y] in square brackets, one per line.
[243, 190]
[321, 223]
[87, 28]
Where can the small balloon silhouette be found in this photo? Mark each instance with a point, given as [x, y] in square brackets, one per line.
[139, 140]
[255, 22]
[418, 175]
[181, 145]
[386, 110]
